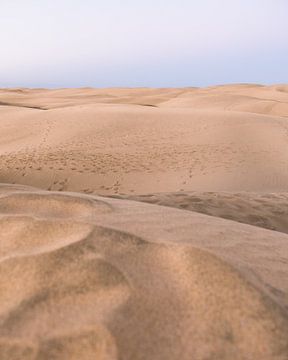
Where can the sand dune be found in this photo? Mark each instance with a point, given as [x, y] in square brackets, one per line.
[269, 100]
[104, 143]
[85, 276]
[199, 273]
[269, 211]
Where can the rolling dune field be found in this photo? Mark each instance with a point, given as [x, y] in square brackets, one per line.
[144, 223]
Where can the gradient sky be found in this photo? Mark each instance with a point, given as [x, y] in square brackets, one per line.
[158, 43]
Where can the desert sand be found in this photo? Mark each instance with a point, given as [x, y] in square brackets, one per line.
[144, 223]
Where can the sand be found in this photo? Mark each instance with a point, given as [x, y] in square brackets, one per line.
[104, 142]
[266, 210]
[144, 223]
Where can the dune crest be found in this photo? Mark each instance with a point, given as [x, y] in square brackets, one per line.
[266, 210]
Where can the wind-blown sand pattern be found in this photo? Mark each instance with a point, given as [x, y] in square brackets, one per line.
[88, 270]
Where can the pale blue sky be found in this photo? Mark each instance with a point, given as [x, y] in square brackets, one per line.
[159, 43]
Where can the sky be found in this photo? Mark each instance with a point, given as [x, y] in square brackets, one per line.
[131, 43]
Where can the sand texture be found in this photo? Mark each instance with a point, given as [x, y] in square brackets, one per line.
[144, 224]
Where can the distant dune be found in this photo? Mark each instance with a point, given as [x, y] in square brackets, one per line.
[89, 270]
[228, 138]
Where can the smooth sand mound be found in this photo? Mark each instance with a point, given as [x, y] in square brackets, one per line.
[269, 211]
[121, 279]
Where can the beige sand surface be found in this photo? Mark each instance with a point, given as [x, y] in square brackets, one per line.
[83, 276]
[269, 211]
[86, 277]
[103, 141]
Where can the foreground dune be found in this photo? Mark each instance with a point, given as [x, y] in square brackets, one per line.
[88, 270]
[87, 277]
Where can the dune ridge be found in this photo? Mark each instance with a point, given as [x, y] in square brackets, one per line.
[267, 210]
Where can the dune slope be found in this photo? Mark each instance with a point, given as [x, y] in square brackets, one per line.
[106, 141]
[269, 211]
[85, 276]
